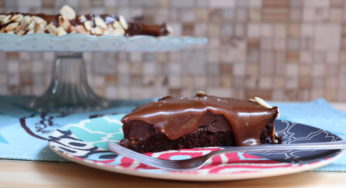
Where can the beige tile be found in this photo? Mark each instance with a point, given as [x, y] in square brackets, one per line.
[291, 82]
[222, 3]
[252, 70]
[309, 14]
[336, 3]
[279, 95]
[316, 4]
[305, 82]
[275, 15]
[266, 82]
[255, 15]
[239, 69]
[241, 15]
[332, 83]
[318, 70]
[322, 15]
[267, 65]
[251, 82]
[263, 93]
[280, 30]
[267, 30]
[294, 29]
[292, 70]
[295, 15]
[238, 82]
[332, 57]
[293, 56]
[275, 3]
[318, 83]
[225, 81]
[223, 92]
[336, 15]
[317, 93]
[305, 70]
[280, 44]
[306, 57]
[174, 81]
[202, 15]
[327, 36]
[254, 30]
[240, 30]
[255, 3]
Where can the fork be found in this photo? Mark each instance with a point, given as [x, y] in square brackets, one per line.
[198, 162]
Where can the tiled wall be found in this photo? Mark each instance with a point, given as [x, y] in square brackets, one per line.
[276, 49]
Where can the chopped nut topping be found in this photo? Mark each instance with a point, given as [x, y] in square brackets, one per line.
[6, 19]
[68, 12]
[169, 29]
[31, 26]
[119, 31]
[11, 27]
[39, 28]
[38, 20]
[123, 22]
[31, 31]
[87, 25]
[52, 29]
[80, 29]
[2, 18]
[64, 22]
[96, 31]
[20, 32]
[200, 93]
[109, 30]
[116, 25]
[16, 18]
[100, 23]
[61, 31]
[81, 18]
[260, 101]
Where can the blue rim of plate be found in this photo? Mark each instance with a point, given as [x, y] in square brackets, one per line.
[85, 142]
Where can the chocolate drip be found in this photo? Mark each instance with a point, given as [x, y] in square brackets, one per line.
[178, 116]
[137, 28]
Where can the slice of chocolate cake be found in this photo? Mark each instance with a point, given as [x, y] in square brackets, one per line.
[200, 121]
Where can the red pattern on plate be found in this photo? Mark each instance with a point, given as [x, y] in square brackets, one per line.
[226, 163]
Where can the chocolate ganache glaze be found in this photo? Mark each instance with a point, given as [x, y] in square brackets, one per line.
[178, 116]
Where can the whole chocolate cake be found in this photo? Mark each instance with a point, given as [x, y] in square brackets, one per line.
[67, 21]
[200, 121]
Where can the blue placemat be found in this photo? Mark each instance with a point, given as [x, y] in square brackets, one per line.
[321, 114]
[23, 133]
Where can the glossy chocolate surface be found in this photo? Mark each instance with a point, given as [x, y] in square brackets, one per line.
[179, 116]
[137, 28]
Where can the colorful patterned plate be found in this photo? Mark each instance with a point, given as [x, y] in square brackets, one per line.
[86, 143]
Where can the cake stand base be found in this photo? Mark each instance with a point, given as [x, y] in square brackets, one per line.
[69, 90]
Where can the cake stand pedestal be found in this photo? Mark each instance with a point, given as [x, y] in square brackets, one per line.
[69, 90]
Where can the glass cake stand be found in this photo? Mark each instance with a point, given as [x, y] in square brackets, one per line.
[69, 90]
